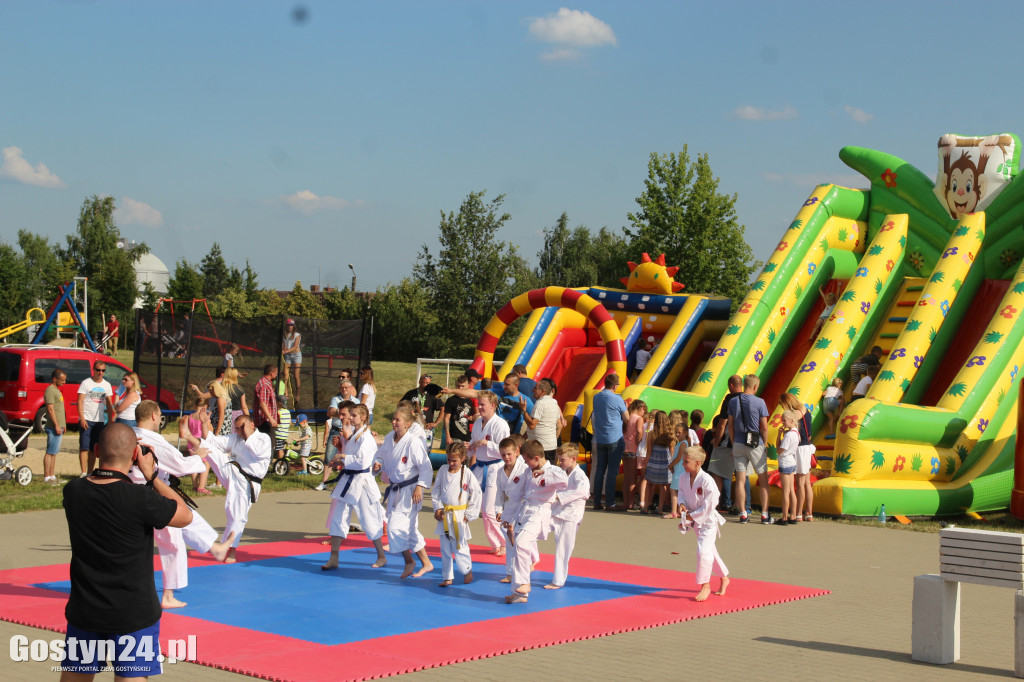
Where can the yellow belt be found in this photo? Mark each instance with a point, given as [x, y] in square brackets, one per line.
[448, 508]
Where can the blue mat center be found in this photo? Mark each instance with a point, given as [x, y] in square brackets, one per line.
[292, 597]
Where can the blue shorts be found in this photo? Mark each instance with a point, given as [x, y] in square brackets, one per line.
[130, 422]
[293, 358]
[830, 405]
[133, 654]
[52, 441]
[787, 470]
[85, 436]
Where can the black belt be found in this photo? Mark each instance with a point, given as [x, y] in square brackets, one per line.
[396, 487]
[351, 473]
[248, 477]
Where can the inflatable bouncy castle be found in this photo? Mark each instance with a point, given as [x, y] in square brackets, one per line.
[930, 272]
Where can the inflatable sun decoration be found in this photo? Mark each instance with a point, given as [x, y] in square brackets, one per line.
[652, 277]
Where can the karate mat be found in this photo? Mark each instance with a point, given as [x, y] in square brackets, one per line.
[275, 615]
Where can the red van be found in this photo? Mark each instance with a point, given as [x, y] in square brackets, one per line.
[25, 371]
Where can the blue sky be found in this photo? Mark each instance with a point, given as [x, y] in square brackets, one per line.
[305, 146]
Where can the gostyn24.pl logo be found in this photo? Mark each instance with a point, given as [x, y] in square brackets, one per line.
[88, 651]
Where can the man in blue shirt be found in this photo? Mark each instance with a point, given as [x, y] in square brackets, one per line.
[749, 414]
[526, 384]
[608, 419]
[509, 397]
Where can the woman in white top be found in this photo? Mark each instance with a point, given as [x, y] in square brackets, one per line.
[368, 392]
[128, 399]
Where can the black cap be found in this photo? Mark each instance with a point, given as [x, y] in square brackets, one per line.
[473, 373]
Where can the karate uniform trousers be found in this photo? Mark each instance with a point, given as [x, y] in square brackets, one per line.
[701, 501]
[171, 542]
[534, 521]
[404, 462]
[254, 457]
[450, 492]
[566, 516]
[489, 458]
[357, 492]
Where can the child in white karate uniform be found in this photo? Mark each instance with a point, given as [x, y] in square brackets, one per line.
[456, 497]
[567, 512]
[543, 481]
[404, 461]
[356, 490]
[698, 500]
[509, 500]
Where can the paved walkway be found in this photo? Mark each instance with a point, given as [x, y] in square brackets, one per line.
[860, 631]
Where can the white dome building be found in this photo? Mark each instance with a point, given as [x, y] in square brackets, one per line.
[149, 268]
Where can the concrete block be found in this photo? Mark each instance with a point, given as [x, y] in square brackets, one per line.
[1018, 634]
[935, 633]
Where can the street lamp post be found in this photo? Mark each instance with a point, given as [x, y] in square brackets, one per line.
[350, 267]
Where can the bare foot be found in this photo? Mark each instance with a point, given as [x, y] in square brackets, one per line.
[325, 542]
[725, 584]
[331, 564]
[386, 547]
[468, 578]
[552, 586]
[230, 558]
[424, 569]
[506, 579]
[445, 583]
[220, 550]
[171, 603]
[516, 598]
[705, 591]
[500, 551]
[409, 568]
[381, 562]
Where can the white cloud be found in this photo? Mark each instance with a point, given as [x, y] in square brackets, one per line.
[572, 27]
[748, 112]
[309, 203]
[132, 212]
[859, 115]
[563, 54]
[812, 180]
[16, 168]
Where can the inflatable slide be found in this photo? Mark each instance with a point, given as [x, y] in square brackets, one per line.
[930, 272]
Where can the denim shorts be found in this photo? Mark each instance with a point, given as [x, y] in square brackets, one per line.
[830, 405]
[135, 654]
[87, 435]
[52, 441]
[787, 470]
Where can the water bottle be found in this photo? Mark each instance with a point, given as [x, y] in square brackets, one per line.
[881, 515]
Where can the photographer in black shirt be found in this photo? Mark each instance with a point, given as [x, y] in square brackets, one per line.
[113, 609]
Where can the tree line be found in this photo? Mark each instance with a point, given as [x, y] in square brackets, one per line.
[455, 287]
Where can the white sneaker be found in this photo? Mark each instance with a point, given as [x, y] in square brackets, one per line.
[320, 487]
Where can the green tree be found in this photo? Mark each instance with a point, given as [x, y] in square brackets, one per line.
[14, 301]
[92, 252]
[149, 297]
[186, 283]
[577, 257]
[215, 272]
[44, 270]
[250, 282]
[231, 303]
[683, 215]
[343, 305]
[474, 273]
[302, 303]
[404, 322]
[266, 302]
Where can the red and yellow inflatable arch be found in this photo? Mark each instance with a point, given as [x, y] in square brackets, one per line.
[558, 297]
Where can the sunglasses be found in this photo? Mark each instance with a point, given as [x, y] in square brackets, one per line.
[100, 371]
